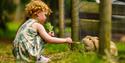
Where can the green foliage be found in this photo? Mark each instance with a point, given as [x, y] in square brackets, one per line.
[48, 26]
[12, 28]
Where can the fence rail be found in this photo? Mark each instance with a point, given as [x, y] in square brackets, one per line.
[89, 19]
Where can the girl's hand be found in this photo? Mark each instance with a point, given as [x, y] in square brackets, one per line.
[69, 40]
[51, 34]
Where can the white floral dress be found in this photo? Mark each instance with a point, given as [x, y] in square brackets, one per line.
[27, 42]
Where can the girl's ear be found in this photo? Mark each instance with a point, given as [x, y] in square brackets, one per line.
[40, 15]
[36, 13]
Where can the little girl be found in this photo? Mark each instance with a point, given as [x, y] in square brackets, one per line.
[29, 40]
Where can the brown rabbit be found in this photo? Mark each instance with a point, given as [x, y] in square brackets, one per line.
[92, 44]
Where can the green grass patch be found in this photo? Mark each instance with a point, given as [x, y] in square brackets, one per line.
[55, 48]
[60, 53]
[121, 52]
[6, 53]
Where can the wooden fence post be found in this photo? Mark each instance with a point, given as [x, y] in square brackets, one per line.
[105, 26]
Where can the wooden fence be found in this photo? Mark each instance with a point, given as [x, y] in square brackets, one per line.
[89, 18]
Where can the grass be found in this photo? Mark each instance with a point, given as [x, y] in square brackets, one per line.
[60, 53]
[121, 51]
[6, 53]
[76, 57]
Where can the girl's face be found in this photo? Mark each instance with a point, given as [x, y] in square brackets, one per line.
[41, 17]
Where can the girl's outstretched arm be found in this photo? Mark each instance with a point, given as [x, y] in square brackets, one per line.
[49, 38]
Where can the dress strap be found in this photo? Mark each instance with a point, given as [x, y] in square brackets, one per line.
[31, 22]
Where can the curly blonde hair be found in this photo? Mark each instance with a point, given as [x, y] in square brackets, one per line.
[35, 6]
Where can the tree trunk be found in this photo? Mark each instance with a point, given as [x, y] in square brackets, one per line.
[105, 26]
[18, 11]
[75, 20]
[61, 18]
[75, 25]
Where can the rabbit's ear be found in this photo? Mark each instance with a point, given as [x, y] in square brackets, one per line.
[97, 38]
[88, 36]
